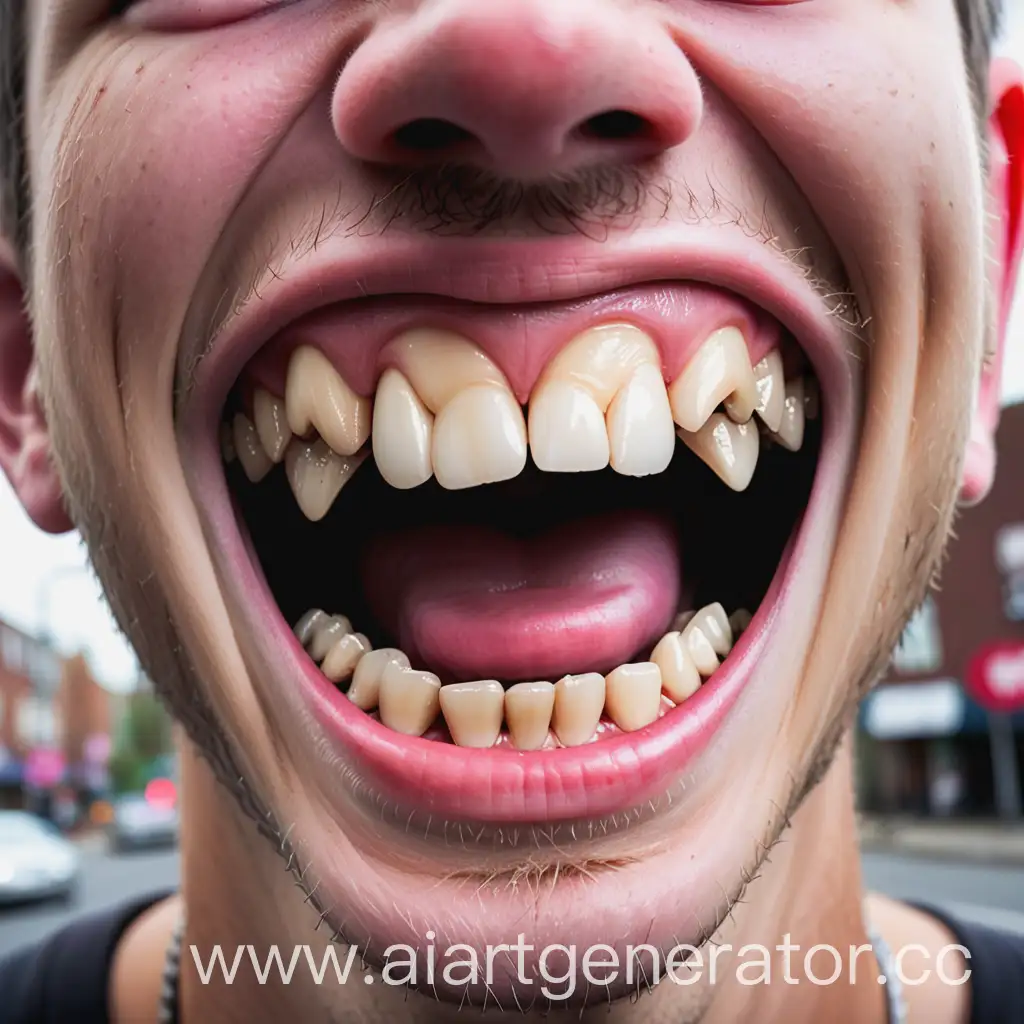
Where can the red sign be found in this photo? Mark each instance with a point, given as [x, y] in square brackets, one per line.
[44, 768]
[995, 676]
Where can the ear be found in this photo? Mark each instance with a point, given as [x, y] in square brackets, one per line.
[24, 437]
[1006, 206]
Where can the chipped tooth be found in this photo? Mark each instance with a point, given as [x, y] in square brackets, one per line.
[528, 708]
[326, 635]
[227, 443]
[812, 398]
[567, 429]
[402, 432]
[251, 455]
[791, 431]
[579, 701]
[729, 448]
[365, 689]
[719, 371]
[308, 625]
[317, 474]
[479, 438]
[317, 397]
[740, 621]
[714, 624]
[640, 425]
[771, 389]
[679, 676]
[699, 647]
[409, 700]
[633, 695]
[271, 420]
[343, 657]
[474, 712]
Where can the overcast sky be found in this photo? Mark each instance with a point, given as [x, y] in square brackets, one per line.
[45, 583]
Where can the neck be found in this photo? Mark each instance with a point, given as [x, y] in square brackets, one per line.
[807, 893]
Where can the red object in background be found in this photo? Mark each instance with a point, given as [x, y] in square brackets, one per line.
[44, 768]
[995, 676]
[161, 793]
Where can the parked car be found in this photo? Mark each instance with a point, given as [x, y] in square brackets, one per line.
[143, 821]
[36, 861]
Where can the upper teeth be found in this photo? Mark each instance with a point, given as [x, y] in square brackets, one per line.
[443, 408]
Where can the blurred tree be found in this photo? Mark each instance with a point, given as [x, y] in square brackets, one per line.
[143, 744]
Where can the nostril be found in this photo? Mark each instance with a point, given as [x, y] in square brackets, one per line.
[430, 135]
[616, 126]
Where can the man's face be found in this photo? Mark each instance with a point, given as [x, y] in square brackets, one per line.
[507, 249]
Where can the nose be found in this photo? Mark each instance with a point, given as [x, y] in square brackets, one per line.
[526, 88]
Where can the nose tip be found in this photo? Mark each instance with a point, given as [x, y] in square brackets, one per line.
[526, 88]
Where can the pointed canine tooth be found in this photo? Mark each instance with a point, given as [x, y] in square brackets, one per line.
[402, 431]
[308, 625]
[791, 432]
[474, 712]
[567, 429]
[719, 371]
[699, 647]
[271, 420]
[227, 443]
[679, 676]
[633, 695]
[365, 689]
[528, 708]
[317, 474]
[812, 398]
[343, 657]
[251, 455]
[740, 621]
[714, 624]
[326, 634]
[579, 701]
[409, 700]
[317, 397]
[771, 389]
[640, 425]
[479, 438]
[730, 449]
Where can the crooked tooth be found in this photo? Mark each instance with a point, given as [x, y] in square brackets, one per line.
[679, 676]
[740, 621]
[271, 419]
[326, 634]
[318, 398]
[633, 695]
[317, 474]
[730, 449]
[771, 389]
[251, 455]
[403, 429]
[474, 712]
[567, 429]
[408, 700]
[579, 701]
[700, 649]
[479, 438]
[640, 425]
[308, 625]
[712, 621]
[365, 689]
[791, 431]
[344, 656]
[528, 709]
[720, 371]
[680, 621]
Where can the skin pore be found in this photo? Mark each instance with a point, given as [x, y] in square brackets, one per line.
[188, 161]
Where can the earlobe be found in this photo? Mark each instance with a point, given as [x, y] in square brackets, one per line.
[25, 454]
[1006, 206]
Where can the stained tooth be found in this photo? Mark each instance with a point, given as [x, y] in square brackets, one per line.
[640, 425]
[317, 474]
[326, 635]
[402, 431]
[680, 621]
[473, 712]
[679, 676]
[812, 398]
[730, 449]
[308, 625]
[579, 701]
[714, 624]
[528, 708]
[740, 621]
[365, 689]
[567, 429]
[633, 695]
[271, 423]
[317, 397]
[791, 432]
[251, 455]
[720, 371]
[479, 438]
[771, 389]
[699, 647]
[227, 443]
[409, 700]
[343, 657]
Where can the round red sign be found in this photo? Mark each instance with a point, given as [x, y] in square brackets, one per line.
[995, 676]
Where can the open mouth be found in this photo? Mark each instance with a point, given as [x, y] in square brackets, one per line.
[531, 560]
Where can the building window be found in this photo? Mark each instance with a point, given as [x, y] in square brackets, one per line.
[10, 649]
[1010, 562]
[37, 723]
[920, 648]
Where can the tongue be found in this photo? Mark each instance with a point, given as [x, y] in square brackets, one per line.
[468, 602]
